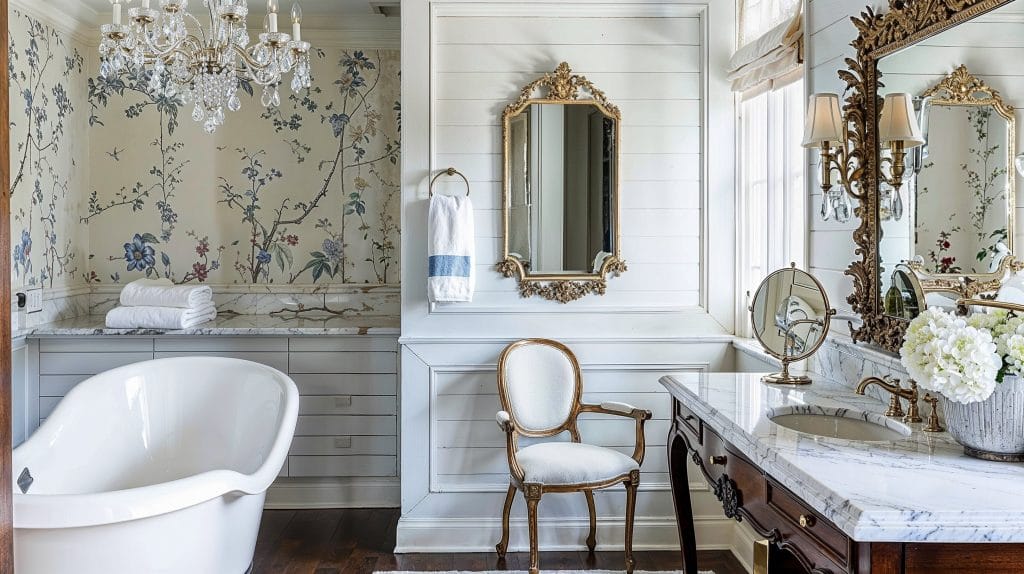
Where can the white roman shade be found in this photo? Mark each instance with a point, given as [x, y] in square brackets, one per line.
[772, 36]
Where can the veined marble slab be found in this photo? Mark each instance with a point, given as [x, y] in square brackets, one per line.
[229, 325]
[922, 488]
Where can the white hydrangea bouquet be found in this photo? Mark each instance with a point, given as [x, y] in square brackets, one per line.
[963, 359]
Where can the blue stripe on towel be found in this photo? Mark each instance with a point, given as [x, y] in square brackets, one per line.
[449, 266]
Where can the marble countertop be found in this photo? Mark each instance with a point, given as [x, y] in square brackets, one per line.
[922, 488]
[227, 325]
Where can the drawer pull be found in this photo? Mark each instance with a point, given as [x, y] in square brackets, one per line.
[717, 459]
[807, 521]
[689, 418]
[342, 402]
[343, 442]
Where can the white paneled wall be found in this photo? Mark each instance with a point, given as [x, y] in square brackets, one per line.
[671, 312]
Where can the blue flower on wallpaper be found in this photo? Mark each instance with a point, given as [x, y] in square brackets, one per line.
[333, 251]
[22, 254]
[263, 257]
[139, 254]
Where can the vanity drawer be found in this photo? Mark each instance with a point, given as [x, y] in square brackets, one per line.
[805, 522]
[686, 420]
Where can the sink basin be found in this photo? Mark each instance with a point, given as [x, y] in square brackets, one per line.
[846, 425]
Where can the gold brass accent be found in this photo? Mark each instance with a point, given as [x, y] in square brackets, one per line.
[1012, 307]
[807, 521]
[533, 491]
[933, 418]
[450, 172]
[784, 377]
[718, 460]
[966, 285]
[895, 407]
[907, 22]
[762, 551]
[563, 87]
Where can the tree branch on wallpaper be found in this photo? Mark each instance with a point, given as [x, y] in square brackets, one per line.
[354, 143]
[33, 50]
[270, 240]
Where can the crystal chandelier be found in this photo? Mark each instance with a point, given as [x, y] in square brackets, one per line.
[204, 65]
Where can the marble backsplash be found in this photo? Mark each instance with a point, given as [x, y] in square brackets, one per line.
[841, 360]
[284, 302]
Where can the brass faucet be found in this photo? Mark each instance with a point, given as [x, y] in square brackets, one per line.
[898, 392]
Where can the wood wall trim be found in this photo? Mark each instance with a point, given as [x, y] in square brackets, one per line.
[6, 493]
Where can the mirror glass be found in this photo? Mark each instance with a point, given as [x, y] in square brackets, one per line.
[562, 187]
[790, 314]
[953, 215]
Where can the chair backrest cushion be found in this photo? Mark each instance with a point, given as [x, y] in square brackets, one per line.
[539, 384]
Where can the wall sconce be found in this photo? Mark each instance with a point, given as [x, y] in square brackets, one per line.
[899, 129]
[825, 128]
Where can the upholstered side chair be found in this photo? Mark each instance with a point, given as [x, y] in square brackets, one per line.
[540, 387]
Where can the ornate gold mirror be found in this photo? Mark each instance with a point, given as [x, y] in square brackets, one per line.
[561, 188]
[956, 231]
[790, 315]
[906, 49]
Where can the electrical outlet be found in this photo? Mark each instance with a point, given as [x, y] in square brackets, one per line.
[35, 300]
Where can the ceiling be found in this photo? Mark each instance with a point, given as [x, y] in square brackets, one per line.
[310, 8]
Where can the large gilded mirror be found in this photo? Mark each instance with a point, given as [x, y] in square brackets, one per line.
[936, 211]
[952, 220]
[560, 188]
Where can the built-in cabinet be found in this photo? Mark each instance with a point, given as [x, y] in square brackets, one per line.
[348, 387]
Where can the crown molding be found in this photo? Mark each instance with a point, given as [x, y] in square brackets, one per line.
[69, 16]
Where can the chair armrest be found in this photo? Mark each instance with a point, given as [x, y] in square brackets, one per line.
[623, 410]
[504, 421]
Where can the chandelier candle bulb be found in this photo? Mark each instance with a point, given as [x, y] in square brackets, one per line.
[296, 22]
[117, 12]
[272, 16]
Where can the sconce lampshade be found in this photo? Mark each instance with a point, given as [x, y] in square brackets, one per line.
[899, 122]
[824, 122]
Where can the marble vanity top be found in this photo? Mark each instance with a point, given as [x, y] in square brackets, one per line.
[228, 325]
[922, 488]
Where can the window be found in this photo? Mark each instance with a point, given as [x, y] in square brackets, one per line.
[767, 72]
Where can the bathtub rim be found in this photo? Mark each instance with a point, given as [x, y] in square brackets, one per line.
[40, 511]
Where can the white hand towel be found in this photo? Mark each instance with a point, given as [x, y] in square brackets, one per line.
[164, 293]
[450, 249]
[159, 317]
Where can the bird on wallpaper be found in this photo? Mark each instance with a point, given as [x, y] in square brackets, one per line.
[116, 154]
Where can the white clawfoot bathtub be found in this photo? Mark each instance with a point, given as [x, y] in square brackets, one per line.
[156, 467]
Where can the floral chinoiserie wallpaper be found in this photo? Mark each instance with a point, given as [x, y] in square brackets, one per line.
[119, 185]
[49, 154]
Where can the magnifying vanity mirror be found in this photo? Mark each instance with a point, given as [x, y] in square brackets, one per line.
[561, 188]
[790, 315]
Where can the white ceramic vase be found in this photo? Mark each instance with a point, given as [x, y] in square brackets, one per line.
[992, 429]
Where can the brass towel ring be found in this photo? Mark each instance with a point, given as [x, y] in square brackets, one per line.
[449, 172]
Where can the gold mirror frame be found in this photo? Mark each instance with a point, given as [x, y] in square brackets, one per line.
[562, 87]
[906, 23]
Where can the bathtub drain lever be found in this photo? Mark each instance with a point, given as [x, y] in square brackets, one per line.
[25, 480]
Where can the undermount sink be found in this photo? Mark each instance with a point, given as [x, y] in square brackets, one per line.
[847, 425]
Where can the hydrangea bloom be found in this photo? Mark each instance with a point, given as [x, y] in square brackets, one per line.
[963, 360]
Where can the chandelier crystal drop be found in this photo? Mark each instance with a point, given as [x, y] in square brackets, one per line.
[204, 65]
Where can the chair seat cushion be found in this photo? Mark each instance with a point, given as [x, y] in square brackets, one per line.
[563, 463]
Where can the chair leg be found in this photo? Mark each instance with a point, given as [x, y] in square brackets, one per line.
[502, 546]
[533, 493]
[631, 486]
[592, 538]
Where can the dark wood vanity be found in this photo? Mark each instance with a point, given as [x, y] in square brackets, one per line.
[799, 538]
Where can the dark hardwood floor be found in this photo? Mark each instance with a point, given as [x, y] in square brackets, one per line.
[361, 541]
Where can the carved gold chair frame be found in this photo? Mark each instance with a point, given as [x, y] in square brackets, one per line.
[561, 87]
[533, 491]
[906, 23]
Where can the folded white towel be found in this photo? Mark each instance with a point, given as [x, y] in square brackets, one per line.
[159, 317]
[164, 293]
[450, 249]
